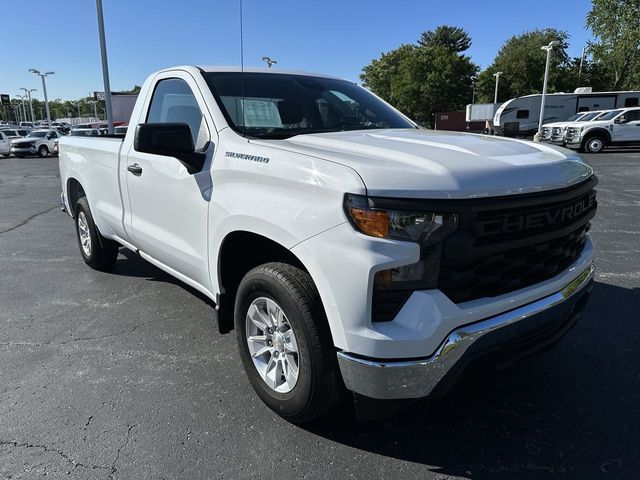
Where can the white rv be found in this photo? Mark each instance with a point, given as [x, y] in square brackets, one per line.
[519, 116]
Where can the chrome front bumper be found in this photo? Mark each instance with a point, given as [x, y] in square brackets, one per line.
[511, 335]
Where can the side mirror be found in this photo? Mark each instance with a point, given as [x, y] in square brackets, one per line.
[621, 119]
[169, 140]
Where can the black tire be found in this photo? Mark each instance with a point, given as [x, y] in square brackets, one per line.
[43, 151]
[102, 253]
[319, 386]
[594, 144]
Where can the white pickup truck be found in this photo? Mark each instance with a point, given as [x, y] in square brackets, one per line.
[613, 128]
[347, 246]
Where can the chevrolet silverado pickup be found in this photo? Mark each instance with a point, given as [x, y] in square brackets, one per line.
[349, 248]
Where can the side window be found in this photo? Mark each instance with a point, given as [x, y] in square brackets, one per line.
[173, 101]
[631, 102]
[522, 114]
[633, 115]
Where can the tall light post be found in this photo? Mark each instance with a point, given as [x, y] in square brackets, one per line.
[28, 93]
[269, 61]
[44, 89]
[105, 68]
[495, 95]
[23, 110]
[549, 49]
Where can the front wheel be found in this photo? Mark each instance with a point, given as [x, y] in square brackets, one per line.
[97, 252]
[285, 344]
[43, 151]
[594, 144]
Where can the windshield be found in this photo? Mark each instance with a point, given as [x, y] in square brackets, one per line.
[589, 116]
[574, 117]
[37, 134]
[609, 115]
[281, 105]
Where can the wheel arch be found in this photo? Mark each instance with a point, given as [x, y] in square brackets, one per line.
[75, 191]
[239, 252]
[598, 132]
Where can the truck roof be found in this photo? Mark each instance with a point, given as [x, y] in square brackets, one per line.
[217, 68]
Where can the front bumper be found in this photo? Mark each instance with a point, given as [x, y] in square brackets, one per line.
[24, 150]
[512, 334]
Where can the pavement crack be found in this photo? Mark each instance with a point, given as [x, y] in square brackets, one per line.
[114, 469]
[27, 220]
[51, 450]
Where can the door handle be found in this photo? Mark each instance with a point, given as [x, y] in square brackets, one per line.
[135, 169]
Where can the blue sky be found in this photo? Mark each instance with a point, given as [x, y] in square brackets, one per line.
[328, 36]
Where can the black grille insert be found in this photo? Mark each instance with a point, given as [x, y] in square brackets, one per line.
[498, 251]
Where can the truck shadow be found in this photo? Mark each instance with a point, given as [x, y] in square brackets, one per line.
[135, 266]
[571, 411]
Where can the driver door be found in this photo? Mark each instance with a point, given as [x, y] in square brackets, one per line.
[168, 205]
[629, 131]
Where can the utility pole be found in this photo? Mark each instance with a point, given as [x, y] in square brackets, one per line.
[549, 49]
[105, 68]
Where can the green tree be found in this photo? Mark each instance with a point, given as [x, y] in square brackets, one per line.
[431, 76]
[616, 26]
[522, 61]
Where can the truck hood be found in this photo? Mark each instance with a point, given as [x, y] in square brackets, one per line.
[417, 163]
[557, 124]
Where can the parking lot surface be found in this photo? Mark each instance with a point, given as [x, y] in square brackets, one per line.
[124, 374]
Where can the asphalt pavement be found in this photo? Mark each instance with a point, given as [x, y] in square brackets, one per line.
[124, 374]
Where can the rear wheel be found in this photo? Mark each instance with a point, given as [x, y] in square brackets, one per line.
[285, 344]
[97, 252]
[594, 144]
[43, 151]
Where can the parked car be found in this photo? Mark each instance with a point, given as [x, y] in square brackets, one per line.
[346, 245]
[5, 144]
[38, 142]
[613, 128]
[554, 132]
[13, 133]
[62, 127]
[27, 125]
[85, 132]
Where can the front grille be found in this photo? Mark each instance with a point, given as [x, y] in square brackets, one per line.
[545, 133]
[516, 242]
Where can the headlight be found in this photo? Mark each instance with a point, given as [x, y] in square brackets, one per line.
[422, 227]
[393, 286]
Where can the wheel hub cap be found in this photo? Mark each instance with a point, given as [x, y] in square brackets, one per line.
[272, 345]
[85, 236]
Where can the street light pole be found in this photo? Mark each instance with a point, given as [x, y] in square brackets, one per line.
[549, 49]
[269, 61]
[105, 68]
[495, 95]
[23, 112]
[28, 92]
[44, 89]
